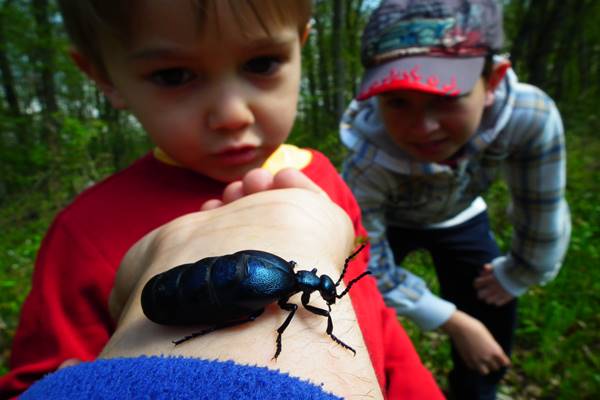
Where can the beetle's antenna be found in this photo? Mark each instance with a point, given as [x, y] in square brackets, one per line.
[350, 257]
[352, 282]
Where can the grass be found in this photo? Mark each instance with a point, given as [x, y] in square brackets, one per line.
[22, 223]
[557, 353]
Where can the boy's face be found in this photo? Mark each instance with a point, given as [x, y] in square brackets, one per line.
[432, 128]
[219, 98]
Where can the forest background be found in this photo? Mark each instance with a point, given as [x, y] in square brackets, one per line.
[58, 136]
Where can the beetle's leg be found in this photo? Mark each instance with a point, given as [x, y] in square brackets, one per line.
[352, 282]
[223, 325]
[320, 311]
[350, 257]
[305, 298]
[283, 303]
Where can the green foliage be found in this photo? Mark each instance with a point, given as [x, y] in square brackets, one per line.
[327, 143]
[49, 154]
[23, 223]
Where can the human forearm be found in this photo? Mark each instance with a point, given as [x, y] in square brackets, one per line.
[294, 224]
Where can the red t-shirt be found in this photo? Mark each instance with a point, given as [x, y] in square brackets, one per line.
[66, 313]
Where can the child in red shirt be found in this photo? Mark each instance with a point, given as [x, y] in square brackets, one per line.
[215, 86]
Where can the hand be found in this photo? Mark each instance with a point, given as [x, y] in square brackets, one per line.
[260, 180]
[489, 288]
[475, 344]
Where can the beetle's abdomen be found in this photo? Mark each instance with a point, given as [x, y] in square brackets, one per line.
[179, 296]
[218, 289]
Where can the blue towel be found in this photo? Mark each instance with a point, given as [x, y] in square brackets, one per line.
[170, 378]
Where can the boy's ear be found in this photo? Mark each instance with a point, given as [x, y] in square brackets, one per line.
[99, 77]
[497, 74]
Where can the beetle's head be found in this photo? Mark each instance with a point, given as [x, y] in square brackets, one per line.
[327, 289]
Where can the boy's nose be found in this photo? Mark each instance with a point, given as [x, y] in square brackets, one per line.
[229, 112]
[424, 123]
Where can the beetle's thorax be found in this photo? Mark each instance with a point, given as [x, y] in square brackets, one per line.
[308, 281]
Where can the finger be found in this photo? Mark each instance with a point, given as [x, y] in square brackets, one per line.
[503, 299]
[483, 280]
[491, 293]
[292, 178]
[498, 361]
[486, 271]
[490, 296]
[483, 369]
[211, 205]
[488, 267]
[505, 360]
[480, 282]
[484, 293]
[257, 180]
[502, 360]
[493, 364]
[233, 192]
[495, 299]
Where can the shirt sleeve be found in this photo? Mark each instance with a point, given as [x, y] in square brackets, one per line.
[65, 315]
[407, 293]
[536, 176]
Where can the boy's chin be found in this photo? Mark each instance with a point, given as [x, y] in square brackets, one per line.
[438, 156]
[228, 175]
[437, 159]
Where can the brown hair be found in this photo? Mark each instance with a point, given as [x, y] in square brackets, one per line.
[84, 20]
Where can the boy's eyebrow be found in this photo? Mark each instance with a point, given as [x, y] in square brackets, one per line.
[167, 51]
[152, 53]
[266, 42]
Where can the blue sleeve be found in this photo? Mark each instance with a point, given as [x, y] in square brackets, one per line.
[171, 378]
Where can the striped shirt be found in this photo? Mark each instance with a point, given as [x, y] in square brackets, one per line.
[520, 138]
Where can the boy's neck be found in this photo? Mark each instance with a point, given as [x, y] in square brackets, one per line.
[454, 159]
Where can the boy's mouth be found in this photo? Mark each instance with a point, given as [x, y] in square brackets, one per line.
[430, 147]
[237, 155]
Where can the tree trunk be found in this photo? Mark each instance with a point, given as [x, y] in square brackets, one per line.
[324, 86]
[339, 73]
[46, 92]
[8, 80]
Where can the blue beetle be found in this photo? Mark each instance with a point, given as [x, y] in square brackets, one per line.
[233, 289]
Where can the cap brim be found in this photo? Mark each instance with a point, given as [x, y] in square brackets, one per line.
[448, 76]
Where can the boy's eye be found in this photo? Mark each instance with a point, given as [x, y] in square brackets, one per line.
[262, 65]
[172, 77]
[448, 101]
[395, 102]
[454, 99]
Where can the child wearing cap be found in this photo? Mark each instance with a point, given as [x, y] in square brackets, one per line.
[438, 117]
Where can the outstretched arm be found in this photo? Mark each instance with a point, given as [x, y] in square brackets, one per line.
[296, 224]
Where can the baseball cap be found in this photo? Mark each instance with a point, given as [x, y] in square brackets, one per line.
[434, 46]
